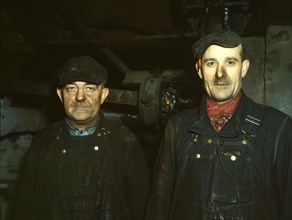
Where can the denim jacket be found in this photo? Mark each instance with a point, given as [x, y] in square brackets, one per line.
[102, 176]
[242, 172]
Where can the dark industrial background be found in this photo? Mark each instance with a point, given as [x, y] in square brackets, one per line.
[146, 47]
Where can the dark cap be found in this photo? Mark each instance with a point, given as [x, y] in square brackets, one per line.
[83, 68]
[223, 38]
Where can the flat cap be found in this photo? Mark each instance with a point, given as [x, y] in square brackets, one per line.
[223, 38]
[83, 68]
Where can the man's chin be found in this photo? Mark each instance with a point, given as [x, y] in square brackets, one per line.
[221, 98]
[81, 119]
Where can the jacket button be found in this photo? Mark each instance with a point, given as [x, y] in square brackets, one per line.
[96, 148]
[244, 141]
[197, 156]
[64, 151]
[233, 158]
[195, 139]
[209, 141]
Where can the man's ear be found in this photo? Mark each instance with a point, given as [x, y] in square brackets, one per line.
[104, 94]
[59, 93]
[245, 67]
[198, 68]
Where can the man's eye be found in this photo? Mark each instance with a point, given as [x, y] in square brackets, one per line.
[90, 89]
[70, 88]
[231, 62]
[210, 63]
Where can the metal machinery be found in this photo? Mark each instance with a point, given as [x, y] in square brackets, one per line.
[145, 98]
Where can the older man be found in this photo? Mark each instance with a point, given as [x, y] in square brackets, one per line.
[85, 166]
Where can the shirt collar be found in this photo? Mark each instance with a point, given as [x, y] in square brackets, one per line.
[76, 132]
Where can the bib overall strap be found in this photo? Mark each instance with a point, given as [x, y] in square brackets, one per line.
[253, 119]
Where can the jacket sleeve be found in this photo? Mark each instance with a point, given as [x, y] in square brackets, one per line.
[163, 177]
[137, 176]
[283, 166]
[22, 207]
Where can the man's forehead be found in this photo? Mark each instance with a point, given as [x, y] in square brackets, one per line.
[219, 51]
[80, 83]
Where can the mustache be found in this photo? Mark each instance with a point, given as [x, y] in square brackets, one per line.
[221, 81]
[82, 103]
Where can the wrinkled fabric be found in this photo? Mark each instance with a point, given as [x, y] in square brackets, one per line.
[234, 174]
[102, 176]
[220, 113]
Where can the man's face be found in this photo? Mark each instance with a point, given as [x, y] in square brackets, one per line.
[82, 101]
[222, 70]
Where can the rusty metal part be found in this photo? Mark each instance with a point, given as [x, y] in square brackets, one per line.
[149, 104]
[124, 97]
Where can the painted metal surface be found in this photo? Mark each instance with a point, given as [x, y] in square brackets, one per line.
[253, 83]
[278, 70]
[17, 119]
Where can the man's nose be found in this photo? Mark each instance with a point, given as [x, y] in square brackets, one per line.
[80, 96]
[221, 72]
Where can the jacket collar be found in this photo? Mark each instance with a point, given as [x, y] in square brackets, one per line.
[101, 127]
[231, 129]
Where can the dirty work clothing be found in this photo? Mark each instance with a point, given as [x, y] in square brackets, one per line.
[102, 176]
[242, 172]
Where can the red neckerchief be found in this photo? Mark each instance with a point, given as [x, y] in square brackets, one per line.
[219, 114]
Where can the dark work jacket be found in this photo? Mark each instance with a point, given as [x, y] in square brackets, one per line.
[98, 177]
[242, 172]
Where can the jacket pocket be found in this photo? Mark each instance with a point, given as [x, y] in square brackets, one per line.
[215, 177]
